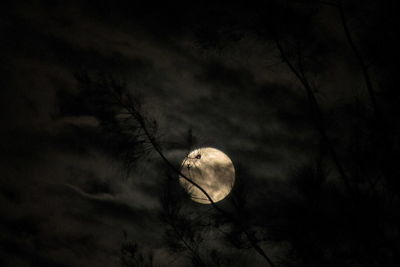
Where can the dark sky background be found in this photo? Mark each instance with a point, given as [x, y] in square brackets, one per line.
[65, 198]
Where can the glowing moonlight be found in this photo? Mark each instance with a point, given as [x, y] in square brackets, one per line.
[212, 170]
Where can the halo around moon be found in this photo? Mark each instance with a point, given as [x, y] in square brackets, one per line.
[212, 170]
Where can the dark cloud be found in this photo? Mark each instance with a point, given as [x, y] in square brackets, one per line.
[62, 183]
[213, 70]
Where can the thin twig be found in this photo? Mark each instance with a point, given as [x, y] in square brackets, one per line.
[316, 110]
[130, 108]
[360, 60]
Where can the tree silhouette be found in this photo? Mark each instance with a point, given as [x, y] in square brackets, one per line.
[339, 209]
[130, 118]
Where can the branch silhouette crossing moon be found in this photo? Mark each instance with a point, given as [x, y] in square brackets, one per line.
[212, 170]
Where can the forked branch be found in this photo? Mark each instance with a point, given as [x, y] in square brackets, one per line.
[126, 102]
[315, 109]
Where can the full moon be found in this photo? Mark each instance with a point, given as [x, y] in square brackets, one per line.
[212, 170]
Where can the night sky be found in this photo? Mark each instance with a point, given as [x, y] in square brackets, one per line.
[317, 179]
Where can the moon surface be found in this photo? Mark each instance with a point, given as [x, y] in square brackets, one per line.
[212, 170]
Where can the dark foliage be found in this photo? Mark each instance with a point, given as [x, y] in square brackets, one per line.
[342, 207]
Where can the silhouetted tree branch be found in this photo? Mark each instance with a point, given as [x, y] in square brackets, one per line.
[315, 109]
[360, 60]
[132, 255]
[319, 223]
[132, 108]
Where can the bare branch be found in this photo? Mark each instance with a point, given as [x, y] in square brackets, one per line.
[130, 107]
[360, 60]
[316, 110]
